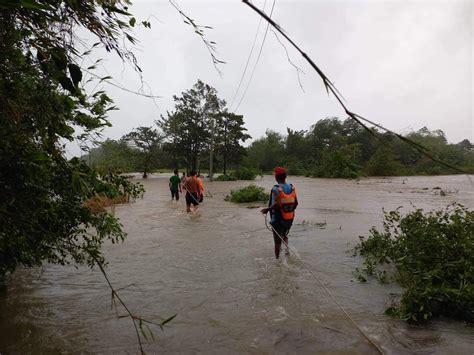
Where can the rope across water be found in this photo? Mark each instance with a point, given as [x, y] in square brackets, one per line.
[270, 228]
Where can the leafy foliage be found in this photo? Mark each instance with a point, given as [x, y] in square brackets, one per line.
[344, 149]
[113, 156]
[249, 193]
[224, 177]
[239, 174]
[42, 103]
[267, 152]
[230, 131]
[245, 174]
[433, 255]
[189, 127]
[146, 141]
[200, 121]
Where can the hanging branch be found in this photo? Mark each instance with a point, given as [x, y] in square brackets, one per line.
[199, 30]
[106, 80]
[135, 319]
[298, 69]
[331, 88]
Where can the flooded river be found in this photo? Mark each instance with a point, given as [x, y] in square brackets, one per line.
[217, 271]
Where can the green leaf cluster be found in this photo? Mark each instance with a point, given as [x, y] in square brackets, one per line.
[42, 105]
[250, 193]
[433, 259]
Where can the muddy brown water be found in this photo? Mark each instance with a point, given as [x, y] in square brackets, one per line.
[216, 270]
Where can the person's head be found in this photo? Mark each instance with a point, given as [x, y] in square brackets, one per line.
[184, 174]
[192, 173]
[280, 174]
[176, 171]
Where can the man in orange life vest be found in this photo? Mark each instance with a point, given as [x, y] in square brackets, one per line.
[282, 205]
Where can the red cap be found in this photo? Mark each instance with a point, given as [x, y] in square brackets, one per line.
[279, 171]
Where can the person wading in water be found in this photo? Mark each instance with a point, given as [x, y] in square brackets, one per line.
[191, 185]
[282, 205]
[175, 185]
[201, 188]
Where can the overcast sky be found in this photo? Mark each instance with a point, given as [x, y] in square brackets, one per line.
[403, 64]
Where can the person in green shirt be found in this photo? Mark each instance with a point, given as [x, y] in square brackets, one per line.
[174, 185]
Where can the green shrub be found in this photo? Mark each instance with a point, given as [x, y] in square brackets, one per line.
[225, 178]
[297, 169]
[433, 255]
[245, 174]
[249, 193]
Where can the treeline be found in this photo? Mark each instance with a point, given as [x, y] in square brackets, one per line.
[330, 148]
[344, 149]
[199, 124]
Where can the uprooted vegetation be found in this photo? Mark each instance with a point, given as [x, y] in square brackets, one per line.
[431, 255]
[250, 193]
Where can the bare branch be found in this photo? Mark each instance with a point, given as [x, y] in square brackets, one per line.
[199, 30]
[298, 69]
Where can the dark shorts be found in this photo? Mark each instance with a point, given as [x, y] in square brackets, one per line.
[192, 198]
[175, 194]
[282, 228]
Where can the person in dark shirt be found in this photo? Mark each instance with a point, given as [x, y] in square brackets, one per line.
[282, 204]
[174, 185]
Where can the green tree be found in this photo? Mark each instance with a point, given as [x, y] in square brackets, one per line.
[147, 141]
[189, 127]
[230, 131]
[267, 152]
[383, 163]
[41, 103]
[111, 156]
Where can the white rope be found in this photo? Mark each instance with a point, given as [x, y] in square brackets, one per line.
[294, 251]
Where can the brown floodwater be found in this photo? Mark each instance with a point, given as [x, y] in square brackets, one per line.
[215, 269]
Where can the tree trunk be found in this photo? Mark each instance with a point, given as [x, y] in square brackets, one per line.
[225, 147]
[225, 162]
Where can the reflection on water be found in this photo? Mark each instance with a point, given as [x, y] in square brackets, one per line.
[216, 269]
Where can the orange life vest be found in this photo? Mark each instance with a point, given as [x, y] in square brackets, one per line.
[287, 203]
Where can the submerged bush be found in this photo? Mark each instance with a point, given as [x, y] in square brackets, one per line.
[249, 193]
[433, 255]
[225, 177]
[245, 174]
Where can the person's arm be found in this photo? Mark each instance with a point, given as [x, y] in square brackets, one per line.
[273, 205]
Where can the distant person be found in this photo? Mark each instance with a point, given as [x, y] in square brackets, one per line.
[201, 187]
[191, 185]
[174, 185]
[282, 205]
